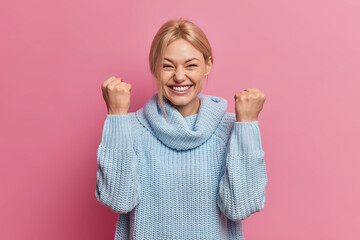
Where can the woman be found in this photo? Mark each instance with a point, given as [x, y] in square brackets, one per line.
[181, 167]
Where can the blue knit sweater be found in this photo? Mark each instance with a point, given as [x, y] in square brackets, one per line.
[189, 178]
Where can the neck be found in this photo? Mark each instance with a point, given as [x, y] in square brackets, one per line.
[189, 109]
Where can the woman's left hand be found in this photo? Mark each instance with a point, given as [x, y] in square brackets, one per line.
[248, 104]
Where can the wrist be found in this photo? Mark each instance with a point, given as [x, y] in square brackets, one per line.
[246, 119]
[118, 112]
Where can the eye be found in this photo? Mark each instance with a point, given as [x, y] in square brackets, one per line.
[167, 66]
[192, 65]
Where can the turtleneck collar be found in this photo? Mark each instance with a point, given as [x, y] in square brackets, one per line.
[176, 132]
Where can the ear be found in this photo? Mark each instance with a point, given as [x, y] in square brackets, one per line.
[208, 66]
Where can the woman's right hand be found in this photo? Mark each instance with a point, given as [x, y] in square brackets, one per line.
[116, 94]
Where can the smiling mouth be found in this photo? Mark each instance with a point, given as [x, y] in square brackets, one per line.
[180, 88]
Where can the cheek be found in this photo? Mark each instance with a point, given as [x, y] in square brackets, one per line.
[161, 82]
[166, 75]
[200, 76]
[199, 73]
[163, 86]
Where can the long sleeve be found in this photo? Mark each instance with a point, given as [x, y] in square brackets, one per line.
[242, 185]
[118, 184]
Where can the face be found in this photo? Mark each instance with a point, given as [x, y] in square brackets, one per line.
[183, 72]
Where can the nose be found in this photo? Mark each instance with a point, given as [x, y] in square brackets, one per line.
[179, 75]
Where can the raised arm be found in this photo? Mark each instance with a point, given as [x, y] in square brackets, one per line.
[242, 185]
[118, 184]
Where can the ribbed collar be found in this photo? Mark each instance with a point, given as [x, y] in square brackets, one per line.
[176, 132]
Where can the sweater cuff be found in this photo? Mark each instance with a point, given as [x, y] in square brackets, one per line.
[246, 139]
[116, 130]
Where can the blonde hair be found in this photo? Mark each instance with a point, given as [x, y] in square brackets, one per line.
[170, 31]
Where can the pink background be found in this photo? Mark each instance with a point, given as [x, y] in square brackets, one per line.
[303, 54]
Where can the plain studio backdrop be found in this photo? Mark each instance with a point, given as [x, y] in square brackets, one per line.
[303, 54]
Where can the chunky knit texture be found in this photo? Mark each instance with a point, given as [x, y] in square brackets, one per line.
[192, 178]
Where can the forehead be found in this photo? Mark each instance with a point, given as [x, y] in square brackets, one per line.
[181, 49]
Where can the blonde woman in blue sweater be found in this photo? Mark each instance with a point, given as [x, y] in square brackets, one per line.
[181, 167]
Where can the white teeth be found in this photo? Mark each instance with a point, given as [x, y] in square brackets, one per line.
[181, 88]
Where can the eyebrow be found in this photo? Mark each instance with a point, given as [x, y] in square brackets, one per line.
[185, 61]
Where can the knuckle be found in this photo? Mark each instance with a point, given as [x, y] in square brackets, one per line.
[122, 90]
[119, 88]
[110, 87]
[103, 85]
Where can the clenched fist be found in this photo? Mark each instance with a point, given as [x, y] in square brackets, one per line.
[248, 104]
[116, 94]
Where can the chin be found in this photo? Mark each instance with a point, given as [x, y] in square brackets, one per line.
[178, 102]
